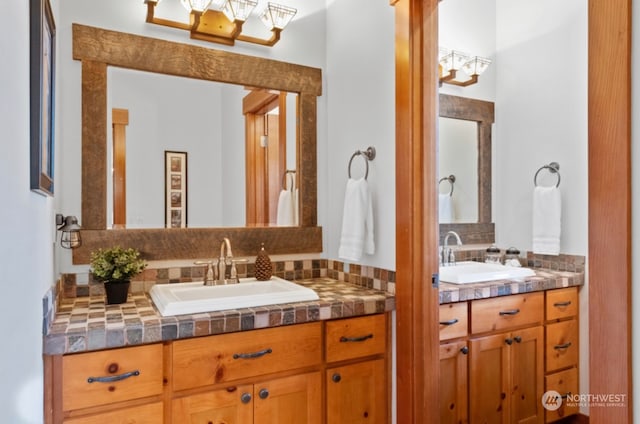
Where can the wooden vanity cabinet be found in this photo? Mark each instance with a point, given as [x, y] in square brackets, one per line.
[454, 349]
[561, 348]
[246, 356]
[357, 372]
[321, 372]
[499, 355]
[506, 359]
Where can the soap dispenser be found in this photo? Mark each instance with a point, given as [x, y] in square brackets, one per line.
[493, 255]
[512, 257]
[263, 270]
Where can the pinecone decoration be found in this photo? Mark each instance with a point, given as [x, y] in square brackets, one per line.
[263, 265]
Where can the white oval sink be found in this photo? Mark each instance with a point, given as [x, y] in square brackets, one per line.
[477, 272]
[192, 298]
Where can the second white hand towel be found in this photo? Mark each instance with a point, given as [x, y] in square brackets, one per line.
[445, 207]
[546, 220]
[357, 221]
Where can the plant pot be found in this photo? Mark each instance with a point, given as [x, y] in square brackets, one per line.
[116, 291]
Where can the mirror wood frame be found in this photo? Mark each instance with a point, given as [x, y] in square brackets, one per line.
[482, 112]
[98, 49]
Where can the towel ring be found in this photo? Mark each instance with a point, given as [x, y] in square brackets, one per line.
[284, 178]
[452, 179]
[368, 155]
[553, 167]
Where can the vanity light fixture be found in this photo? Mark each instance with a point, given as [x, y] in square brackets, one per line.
[70, 229]
[222, 23]
[451, 61]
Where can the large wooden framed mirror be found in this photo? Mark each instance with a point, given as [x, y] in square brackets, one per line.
[481, 113]
[99, 49]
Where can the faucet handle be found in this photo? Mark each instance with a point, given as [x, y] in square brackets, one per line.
[234, 272]
[210, 276]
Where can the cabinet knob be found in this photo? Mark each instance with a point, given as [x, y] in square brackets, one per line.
[509, 341]
[518, 339]
[245, 398]
[336, 378]
[263, 393]
[464, 350]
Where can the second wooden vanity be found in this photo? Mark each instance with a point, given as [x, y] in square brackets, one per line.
[498, 356]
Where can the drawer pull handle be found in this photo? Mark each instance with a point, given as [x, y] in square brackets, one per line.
[252, 355]
[113, 378]
[562, 346]
[450, 322]
[510, 312]
[344, 339]
[562, 304]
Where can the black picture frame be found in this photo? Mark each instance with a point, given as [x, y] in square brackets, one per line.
[175, 189]
[42, 96]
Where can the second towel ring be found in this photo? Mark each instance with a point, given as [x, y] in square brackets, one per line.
[368, 155]
[553, 167]
[452, 179]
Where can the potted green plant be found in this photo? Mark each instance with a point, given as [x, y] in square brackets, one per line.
[116, 266]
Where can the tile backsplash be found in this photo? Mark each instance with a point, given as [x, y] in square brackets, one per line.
[82, 284]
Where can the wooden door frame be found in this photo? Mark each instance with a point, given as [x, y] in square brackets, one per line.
[609, 124]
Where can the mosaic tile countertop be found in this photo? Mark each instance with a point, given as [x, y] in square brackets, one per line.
[545, 279]
[87, 323]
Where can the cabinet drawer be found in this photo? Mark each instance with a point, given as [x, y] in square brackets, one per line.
[228, 357]
[145, 414]
[506, 312]
[562, 303]
[356, 337]
[99, 378]
[565, 383]
[562, 344]
[453, 320]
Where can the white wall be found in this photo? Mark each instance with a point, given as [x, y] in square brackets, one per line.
[26, 232]
[540, 116]
[361, 112]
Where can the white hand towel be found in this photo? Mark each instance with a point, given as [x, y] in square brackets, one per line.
[445, 207]
[357, 221]
[287, 213]
[546, 220]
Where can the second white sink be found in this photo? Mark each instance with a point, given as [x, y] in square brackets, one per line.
[191, 298]
[477, 272]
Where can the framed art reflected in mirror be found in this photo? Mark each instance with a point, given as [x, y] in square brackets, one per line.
[175, 189]
[42, 89]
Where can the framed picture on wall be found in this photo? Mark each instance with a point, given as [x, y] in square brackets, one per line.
[42, 98]
[175, 189]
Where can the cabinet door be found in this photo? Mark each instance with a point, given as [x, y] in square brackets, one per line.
[489, 379]
[453, 382]
[357, 393]
[233, 405]
[294, 399]
[527, 375]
